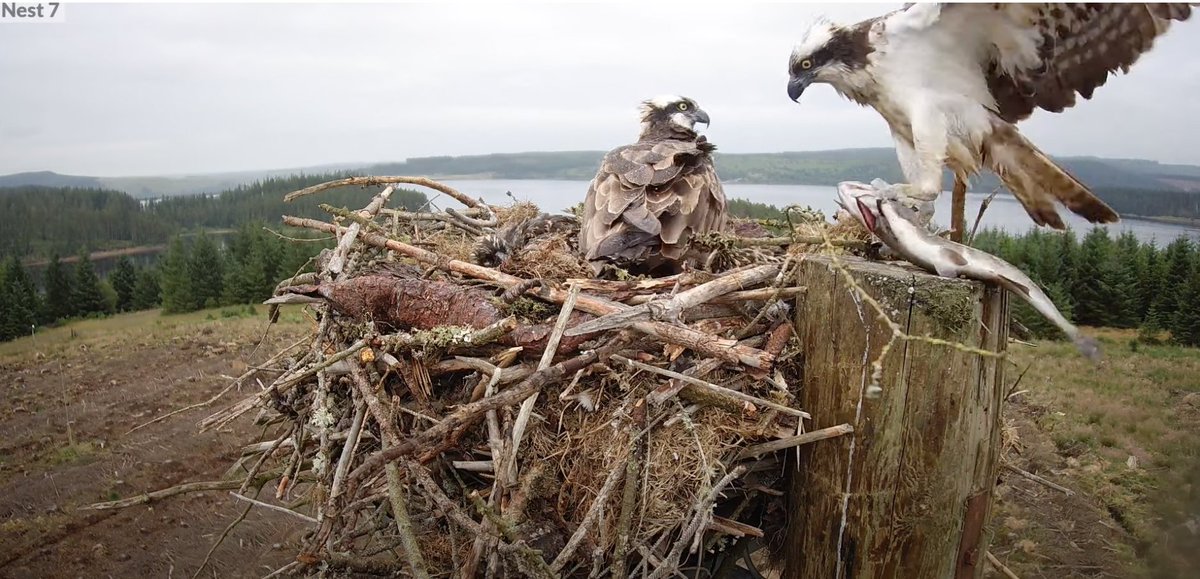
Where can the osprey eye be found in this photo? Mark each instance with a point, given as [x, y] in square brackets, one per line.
[682, 106]
[806, 64]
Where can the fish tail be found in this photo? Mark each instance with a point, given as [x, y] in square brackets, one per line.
[1088, 346]
[1037, 181]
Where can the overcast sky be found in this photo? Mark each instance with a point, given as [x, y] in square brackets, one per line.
[175, 89]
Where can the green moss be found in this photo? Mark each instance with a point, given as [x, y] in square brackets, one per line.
[949, 303]
[441, 336]
[526, 308]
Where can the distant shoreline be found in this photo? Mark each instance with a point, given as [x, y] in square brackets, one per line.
[1181, 221]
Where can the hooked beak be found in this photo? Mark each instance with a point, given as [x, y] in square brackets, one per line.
[796, 86]
[700, 117]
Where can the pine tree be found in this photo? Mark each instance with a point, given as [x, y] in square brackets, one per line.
[1185, 327]
[123, 280]
[205, 271]
[1094, 296]
[1152, 326]
[174, 279]
[86, 293]
[146, 293]
[18, 298]
[58, 304]
[6, 310]
[1177, 273]
[1150, 284]
[1124, 273]
[24, 293]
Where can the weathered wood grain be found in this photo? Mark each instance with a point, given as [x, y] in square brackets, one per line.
[907, 494]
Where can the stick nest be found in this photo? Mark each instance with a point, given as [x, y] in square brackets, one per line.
[443, 419]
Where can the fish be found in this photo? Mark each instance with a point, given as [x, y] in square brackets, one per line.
[897, 227]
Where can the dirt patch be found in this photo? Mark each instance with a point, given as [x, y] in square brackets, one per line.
[64, 413]
[1042, 532]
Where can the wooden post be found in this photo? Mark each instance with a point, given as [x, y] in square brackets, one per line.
[909, 492]
[958, 210]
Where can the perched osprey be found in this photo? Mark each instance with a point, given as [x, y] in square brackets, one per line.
[951, 80]
[651, 197]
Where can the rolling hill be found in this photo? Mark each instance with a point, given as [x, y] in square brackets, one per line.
[799, 168]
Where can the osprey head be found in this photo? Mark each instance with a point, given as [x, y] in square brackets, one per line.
[674, 114]
[828, 53]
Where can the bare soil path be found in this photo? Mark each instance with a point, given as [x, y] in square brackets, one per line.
[66, 405]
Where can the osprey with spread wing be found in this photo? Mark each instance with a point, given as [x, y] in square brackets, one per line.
[951, 80]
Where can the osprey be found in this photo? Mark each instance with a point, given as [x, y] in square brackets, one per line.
[651, 197]
[951, 80]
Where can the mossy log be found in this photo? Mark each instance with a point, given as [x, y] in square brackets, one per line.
[908, 494]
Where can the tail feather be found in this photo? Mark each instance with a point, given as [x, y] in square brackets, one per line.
[1037, 181]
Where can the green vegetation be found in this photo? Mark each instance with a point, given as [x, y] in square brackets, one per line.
[1118, 283]
[39, 221]
[1125, 435]
[752, 210]
[199, 275]
[192, 276]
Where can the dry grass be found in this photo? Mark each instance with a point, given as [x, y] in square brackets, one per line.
[1124, 434]
[119, 331]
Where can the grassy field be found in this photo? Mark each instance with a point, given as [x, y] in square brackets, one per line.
[1125, 435]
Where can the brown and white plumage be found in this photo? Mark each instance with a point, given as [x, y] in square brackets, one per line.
[951, 80]
[651, 197]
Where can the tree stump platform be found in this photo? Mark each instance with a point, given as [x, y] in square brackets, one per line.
[908, 494]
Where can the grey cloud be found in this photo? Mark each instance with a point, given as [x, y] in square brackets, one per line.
[151, 89]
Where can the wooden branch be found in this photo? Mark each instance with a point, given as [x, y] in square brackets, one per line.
[412, 549]
[671, 309]
[194, 487]
[532, 558]
[470, 412]
[713, 389]
[706, 344]
[479, 223]
[278, 508]
[1037, 479]
[229, 414]
[429, 216]
[794, 441]
[461, 363]
[997, 565]
[734, 528]
[795, 239]
[633, 469]
[235, 383]
[987, 201]
[221, 539]
[509, 463]
[702, 511]
[754, 295]
[338, 259]
[431, 490]
[671, 389]
[369, 181]
[610, 483]
[343, 466]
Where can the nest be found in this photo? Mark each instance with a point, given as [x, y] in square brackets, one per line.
[526, 420]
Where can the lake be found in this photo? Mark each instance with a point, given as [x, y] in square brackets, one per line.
[1004, 213]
